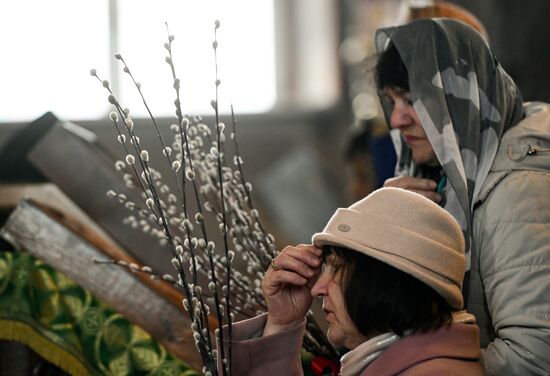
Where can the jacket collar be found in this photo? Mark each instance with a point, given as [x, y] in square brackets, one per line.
[459, 341]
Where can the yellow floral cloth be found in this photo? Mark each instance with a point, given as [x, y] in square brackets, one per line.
[72, 329]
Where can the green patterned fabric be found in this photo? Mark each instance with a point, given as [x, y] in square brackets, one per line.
[72, 329]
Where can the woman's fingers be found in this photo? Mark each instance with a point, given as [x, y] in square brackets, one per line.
[425, 187]
[281, 278]
[411, 182]
[303, 260]
[295, 265]
[286, 285]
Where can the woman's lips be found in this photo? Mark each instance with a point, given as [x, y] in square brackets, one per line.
[412, 139]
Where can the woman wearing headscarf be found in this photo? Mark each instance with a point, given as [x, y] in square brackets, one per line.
[466, 140]
[393, 265]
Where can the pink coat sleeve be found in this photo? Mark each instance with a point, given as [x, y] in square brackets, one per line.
[253, 355]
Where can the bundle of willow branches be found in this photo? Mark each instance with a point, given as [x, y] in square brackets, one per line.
[209, 186]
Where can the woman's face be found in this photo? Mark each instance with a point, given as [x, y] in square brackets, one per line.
[341, 329]
[405, 119]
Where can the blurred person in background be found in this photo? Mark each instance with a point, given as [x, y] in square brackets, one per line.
[369, 156]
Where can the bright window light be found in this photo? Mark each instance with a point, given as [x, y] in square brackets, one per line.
[48, 48]
[246, 54]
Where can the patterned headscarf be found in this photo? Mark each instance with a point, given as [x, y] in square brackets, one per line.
[465, 102]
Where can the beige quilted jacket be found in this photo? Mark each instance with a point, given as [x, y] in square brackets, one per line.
[508, 287]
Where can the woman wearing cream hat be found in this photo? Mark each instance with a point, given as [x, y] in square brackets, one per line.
[389, 269]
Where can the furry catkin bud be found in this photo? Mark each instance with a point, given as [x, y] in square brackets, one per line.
[185, 123]
[130, 159]
[168, 278]
[187, 224]
[212, 287]
[190, 174]
[179, 250]
[150, 203]
[145, 155]
[211, 246]
[176, 166]
[129, 124]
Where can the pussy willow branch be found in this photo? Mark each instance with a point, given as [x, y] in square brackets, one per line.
[183, 134]
[225, 368]
[238, 159]
[185, 149]
[203, 342]
[217, 189]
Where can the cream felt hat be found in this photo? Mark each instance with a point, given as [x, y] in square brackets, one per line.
[406, 231]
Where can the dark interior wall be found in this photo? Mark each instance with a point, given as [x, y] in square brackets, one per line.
[519, 35]
[293, 160]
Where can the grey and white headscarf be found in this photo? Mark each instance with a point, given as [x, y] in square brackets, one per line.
[465, 102]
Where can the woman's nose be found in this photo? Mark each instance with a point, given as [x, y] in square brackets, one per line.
[320, 286]
[399, 117]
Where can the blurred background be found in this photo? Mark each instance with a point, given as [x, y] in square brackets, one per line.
[298, 73]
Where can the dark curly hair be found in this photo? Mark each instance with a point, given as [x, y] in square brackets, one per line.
[390, 71]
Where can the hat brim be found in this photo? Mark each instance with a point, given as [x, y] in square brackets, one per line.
[443, 286]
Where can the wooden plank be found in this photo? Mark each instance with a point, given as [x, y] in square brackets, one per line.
[30, 228]
[70, 156]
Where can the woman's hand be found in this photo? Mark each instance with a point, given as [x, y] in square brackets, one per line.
[425, 187]
[287, 286]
